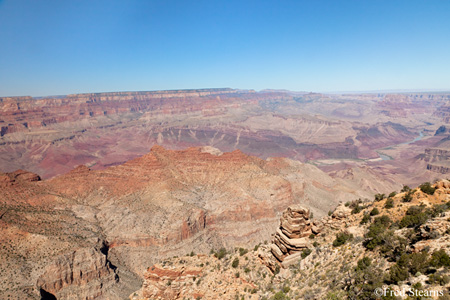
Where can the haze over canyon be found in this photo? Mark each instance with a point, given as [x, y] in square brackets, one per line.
[98, 187]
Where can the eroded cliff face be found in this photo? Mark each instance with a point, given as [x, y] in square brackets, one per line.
[83, 274]
[52, 135]
[90, 232]
[22, 113]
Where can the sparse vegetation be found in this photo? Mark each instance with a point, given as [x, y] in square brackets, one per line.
[407, 197]
[306, 252]
[342, 238]
[389, 203]
[427, 188]
[374, 212]
[221, 253]
[405, 189]
[365, 219]
[379, 197]
[235, 263]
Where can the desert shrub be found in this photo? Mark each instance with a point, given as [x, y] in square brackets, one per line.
[438, 279]
[312, 236]
[389, 203]
[405, 189]
[363, 263]
[306, 252]
[427, 188]
[365, 219]
[363, 281]
[357, 209]
[342, 238]
[440, 259]
[415, 216]
[392, 194]
[374, 212]
[397, 273]
[221, 253]
[280, 296]
[376, 235]
[418, 262]
[242, 251]
[235, 263]
[409, 264]
[383, 220]
[379, 197]
[407, 197]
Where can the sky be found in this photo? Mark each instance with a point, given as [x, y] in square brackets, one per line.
[56, 47]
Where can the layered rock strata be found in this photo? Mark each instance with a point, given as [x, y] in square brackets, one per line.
[293, 234]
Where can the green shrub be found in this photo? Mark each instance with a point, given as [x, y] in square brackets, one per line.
[235, 263]
[376, 235]
[374, 212]
[397, 273]
[242, 251]
[427, 188]
[356, 210]
[342, 238]
[363, 263]
[405, 189]
[439, 279]
[221, 253]
[415, 216]
[379, 197]
[409, 264]
[365, 219]
[392, 194]
[306, 252]
[389, 203]
[407, 197]
[440, 259]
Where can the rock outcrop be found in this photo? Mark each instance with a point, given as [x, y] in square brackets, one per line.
[169, 283]
[293, 234]
[83, 274]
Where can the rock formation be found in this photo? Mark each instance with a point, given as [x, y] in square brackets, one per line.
[52, 135]
[293, 234]
[329, 270]
[162, 204]
[83, 274]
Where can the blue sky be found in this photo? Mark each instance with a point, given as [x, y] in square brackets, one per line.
[54, 47]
